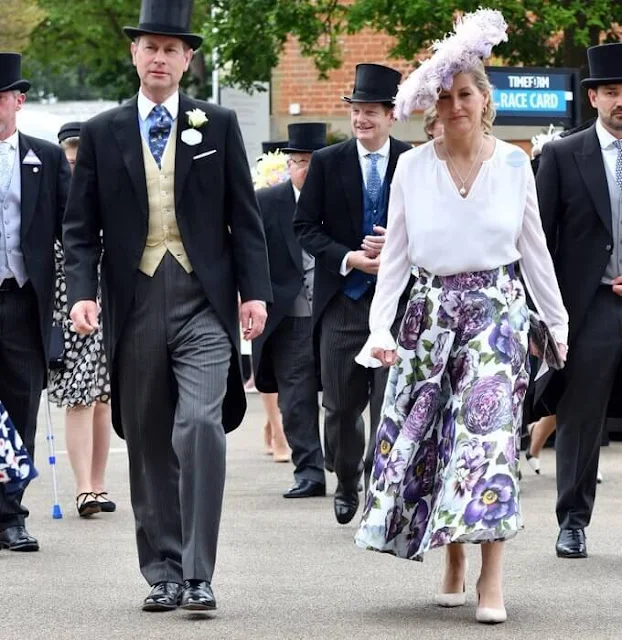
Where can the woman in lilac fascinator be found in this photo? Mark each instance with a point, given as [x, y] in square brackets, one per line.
[462, 212]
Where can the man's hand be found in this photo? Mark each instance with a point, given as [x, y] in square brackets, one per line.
[372, 245]
[359, 260]
[388, 358]
[253, 317]
[617, 285]
[84, 316]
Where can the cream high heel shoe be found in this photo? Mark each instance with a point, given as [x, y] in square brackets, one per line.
[533, 461]
[451, 600]
[486, 615]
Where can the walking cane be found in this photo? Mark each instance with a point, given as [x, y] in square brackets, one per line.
[57, 514]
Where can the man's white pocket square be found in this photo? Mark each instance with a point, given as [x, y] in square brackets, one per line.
[204, 155]
[31, 158]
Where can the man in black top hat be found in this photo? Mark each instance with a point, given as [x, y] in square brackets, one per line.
[580, 194]
[272, 146]
[340, 220]
[283, 354]
[34, 180]
[167, 180]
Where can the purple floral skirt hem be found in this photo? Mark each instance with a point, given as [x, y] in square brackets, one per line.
[447, 447]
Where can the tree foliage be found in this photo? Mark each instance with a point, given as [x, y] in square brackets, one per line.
[19, 18]
[250, 34]
[80, 49]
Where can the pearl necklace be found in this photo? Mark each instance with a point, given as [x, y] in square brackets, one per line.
[463, 190]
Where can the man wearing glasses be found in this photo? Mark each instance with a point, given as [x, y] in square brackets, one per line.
[283, 354]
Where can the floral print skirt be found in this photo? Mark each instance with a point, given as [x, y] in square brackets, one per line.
[16, 467]
[447, 447]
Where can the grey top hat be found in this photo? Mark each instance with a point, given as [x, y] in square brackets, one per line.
[166, 18]
[11, 73]
[605, 62]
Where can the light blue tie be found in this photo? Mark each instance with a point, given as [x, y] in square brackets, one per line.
[5, 169]
[374, 183]
[161, 123]
[618, 146]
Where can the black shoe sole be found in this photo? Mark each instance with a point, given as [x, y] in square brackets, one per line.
[571, 556]
[304, 495]
[23, 548]
[198, 606]
[154, 607]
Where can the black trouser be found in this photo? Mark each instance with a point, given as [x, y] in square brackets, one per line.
[589, 375]
[22, 367]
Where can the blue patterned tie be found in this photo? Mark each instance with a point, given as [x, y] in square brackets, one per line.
[374, 183]
[161, 123]
[618, 146]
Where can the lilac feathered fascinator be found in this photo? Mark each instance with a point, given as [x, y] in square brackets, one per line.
[474, 36]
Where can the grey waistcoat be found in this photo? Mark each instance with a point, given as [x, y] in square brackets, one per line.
[304, 300]
[11, 257]
[614, 266]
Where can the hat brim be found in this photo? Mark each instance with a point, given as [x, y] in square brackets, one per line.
[316, 147]
[595, 82]
[390, 102]
[20, 85]
[193, 40]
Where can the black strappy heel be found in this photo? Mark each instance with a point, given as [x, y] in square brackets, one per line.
[87, 505]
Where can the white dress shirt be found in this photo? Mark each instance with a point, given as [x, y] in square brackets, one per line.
[145, 106]
[610, 153]
[365, 162]
[430, 225]
[12, 143]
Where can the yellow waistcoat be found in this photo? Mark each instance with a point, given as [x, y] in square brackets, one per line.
[163, 233]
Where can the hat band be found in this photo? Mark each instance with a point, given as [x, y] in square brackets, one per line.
[162, 28]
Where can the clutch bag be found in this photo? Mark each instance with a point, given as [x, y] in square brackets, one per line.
[544, 342]
[57, 348]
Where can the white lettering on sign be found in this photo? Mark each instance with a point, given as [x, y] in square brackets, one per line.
[543, 101]
[529, 82]
[513, 100]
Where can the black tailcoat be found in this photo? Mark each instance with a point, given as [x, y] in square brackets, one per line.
[216, 212]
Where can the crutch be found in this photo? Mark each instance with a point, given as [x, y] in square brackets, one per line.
[57, 513]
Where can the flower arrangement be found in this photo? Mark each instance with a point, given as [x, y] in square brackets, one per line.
[271, 169]
[543, 138]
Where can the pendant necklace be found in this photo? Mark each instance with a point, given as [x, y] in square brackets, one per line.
[463, 190]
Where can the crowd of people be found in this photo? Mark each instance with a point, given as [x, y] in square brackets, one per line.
[420, 283]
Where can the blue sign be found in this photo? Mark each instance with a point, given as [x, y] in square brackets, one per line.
[539, 96]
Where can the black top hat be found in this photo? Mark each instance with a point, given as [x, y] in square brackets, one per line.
[305, 137]
[166, 18]
[11, 73]
[374, 83]
[605, 61]
[69, 130]
[270, 147]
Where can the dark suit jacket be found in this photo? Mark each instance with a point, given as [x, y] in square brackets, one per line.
[217, 217]
[576, 216]
[329, 216]
[277, 205]
[44, 194]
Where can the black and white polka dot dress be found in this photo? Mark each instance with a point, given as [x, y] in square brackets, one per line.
[84, 378]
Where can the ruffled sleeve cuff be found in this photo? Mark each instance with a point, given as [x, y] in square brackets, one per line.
[560, 333]
[381, 338]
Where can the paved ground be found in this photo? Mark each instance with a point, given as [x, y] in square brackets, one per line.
[287, 571]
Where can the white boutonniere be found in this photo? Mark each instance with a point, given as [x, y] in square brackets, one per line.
[196, 119]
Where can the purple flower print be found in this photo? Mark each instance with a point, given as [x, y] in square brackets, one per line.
[519, 393]
[424, 408]
[418, 525]
[385, 439]
[470, 281]
[412, 324]
[505, 344]
[438, 351]
[394, 523]
[466, 313]
[493, 500]
[448, 431]
[404, 401]
[511, 450]
[462, 370]
[441, 537]
[470, 467]
[419, 480]
[488, 405]
[396, 468]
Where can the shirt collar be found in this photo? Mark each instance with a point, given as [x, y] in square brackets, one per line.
[296, 192]
[383, 151]
[13, 140]
[605, 138]
[145, 105]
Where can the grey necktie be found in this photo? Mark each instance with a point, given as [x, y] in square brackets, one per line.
[5, 169]
[618, 146]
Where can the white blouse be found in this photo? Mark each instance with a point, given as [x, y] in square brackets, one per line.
[432, 226]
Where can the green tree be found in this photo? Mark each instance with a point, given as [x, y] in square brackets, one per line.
[80, 50]
[249, 35]
[19, 18]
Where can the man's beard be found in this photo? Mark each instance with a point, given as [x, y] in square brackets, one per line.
[613, 123]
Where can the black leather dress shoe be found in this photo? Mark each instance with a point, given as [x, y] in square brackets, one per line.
[18, 539]
[306, 489]
[346, 505]
[164, 596]
[571, 544]
[197, 596]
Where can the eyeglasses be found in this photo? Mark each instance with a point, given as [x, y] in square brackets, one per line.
[303, 162]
